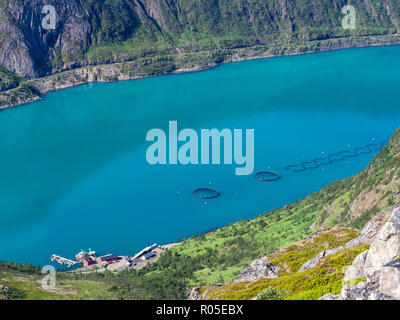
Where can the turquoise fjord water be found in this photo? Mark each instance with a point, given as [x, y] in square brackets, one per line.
[73, 172]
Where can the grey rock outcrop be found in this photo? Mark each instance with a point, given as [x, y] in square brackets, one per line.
[367, 235]
[365, 290]
[14, 53]
[314, 261]
[386, 247]
[380, 265]
[197, 293]
[194, 293]
[3, 289]
[356, 270]
[355, 293]
[259, 269]
[27, 48]
[390, 279]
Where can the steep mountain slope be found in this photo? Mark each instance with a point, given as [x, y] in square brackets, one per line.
[98, 31]
[363, 268]
[109, 40]
[353, 201]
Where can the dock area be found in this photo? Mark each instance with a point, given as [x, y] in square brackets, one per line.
[89, 262]
[63, 261]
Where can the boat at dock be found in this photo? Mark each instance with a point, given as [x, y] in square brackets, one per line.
[82, 257]
[63, 261]
[83, 254]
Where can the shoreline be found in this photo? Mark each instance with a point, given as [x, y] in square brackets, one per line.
[136, 69]
[197, 69]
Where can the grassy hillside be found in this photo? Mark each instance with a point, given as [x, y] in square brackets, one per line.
[101, 31]
[291, 285]
[23, 282]
[121, 29]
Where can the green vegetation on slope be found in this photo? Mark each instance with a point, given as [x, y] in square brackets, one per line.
[23, 94]
[120, 28]
[312, 284]
[23, 282]
[161, 36]
[355, 200]
[294, 256]
[8, 79]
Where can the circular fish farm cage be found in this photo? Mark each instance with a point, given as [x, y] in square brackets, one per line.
[206, 193]
[267, 176]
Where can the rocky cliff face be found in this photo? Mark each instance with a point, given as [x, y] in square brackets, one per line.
[27, 48]
[102, 31]
[368, 235]
[380, 265]
[259, 269]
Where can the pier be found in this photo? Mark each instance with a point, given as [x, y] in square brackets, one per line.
[144, 251]
[64, 261]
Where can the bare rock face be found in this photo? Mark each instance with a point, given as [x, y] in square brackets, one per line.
[386, 246]
[368, 235]
[164, 13]
[3, 289]
[27, 47]
[313, 262]
[365, 290]
[194, 293]
[371, 229]
[259, 269]
[200, 292]
[380, 264]
[356, 270]
[14, 53]
[360, 293]
[390, 279]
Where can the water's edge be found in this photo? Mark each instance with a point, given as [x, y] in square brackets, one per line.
[82, 111]
[122, 71]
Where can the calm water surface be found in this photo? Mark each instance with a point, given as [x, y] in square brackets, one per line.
[73, 172]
